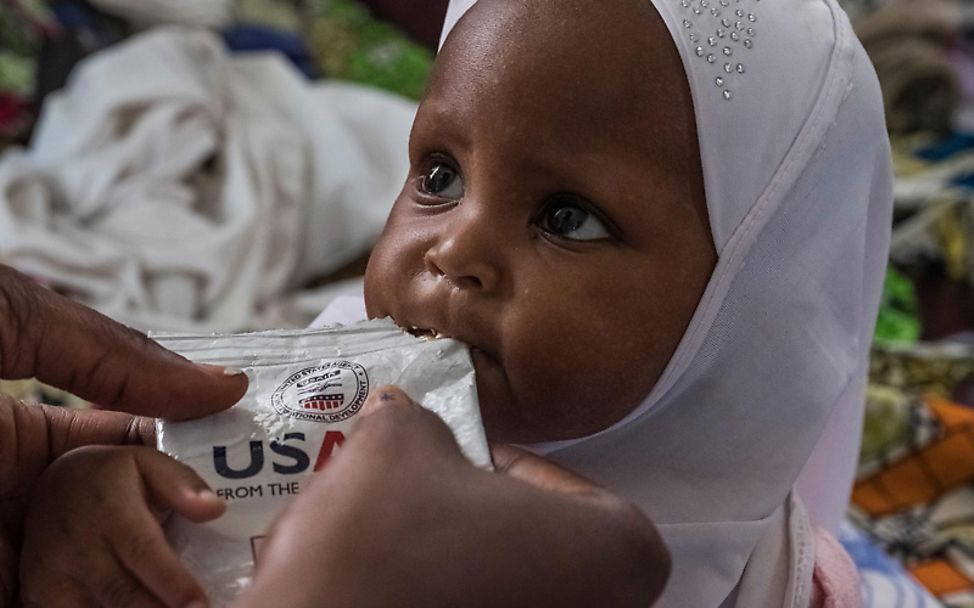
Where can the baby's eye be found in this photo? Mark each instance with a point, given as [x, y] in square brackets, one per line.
[567, 219]
[442, 181]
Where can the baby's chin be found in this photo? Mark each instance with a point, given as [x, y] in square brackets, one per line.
[497, 409]
[512, 418]
[505, 420]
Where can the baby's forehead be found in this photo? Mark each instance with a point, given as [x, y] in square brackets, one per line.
[619, 48]
[580, 76]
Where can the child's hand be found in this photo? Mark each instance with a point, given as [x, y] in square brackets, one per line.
[93, 534]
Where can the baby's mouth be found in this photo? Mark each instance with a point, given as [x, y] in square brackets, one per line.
[425, 333]
[429, 333]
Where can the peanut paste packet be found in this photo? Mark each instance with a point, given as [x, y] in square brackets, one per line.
[305, 389]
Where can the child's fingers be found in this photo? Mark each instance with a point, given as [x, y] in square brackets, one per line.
[101, 581]
[148, 557]
[54, 594]
[173, 485]
[92, 526]
[115, 587]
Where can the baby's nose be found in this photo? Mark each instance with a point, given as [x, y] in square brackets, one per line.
[466, 254]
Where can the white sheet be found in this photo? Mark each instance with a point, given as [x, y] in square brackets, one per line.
[176, 187]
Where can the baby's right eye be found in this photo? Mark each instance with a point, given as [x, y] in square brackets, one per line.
[442, 181]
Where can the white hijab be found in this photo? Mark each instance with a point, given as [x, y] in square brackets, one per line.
[766, 387]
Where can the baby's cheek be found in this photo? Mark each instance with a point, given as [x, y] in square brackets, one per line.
[574, 392]
[388, 265]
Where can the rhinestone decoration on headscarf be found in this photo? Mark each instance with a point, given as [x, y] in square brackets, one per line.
[730, 33]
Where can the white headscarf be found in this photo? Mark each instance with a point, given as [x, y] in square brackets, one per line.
[768, 381]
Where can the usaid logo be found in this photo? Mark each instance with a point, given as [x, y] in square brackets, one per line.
[328, 393]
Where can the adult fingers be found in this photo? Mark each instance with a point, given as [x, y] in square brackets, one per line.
[79, 350]
[529, 468]
[391, 422]
[68, 429]
[389, 415]
[386, 396]
[622, 515]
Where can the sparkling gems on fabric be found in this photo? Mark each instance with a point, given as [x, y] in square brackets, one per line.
[722, 32]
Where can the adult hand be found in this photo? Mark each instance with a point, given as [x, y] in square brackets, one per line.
[76, 349]
[400, 518]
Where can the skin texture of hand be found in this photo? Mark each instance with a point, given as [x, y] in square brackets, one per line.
[93, 535]
[400, 518]
[76, 349]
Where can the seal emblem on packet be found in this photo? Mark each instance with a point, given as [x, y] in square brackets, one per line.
[306, 388]
[327, 393]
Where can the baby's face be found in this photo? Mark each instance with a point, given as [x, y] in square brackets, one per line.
[554, 217]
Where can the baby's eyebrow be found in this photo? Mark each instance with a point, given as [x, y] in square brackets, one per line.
[441, 120]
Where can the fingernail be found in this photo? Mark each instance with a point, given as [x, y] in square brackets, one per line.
[387, 393]
[219, 369]
[207, 494]
[382, 396]
[204, 494]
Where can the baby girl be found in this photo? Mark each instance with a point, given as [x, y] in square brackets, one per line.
[661, 227]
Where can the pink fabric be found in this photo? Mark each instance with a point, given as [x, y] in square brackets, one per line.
[836, 580]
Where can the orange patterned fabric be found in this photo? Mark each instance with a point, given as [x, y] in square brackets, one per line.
[920, 477]
[940, 577]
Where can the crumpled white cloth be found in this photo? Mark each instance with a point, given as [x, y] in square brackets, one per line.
[175, 187]
[205, 13]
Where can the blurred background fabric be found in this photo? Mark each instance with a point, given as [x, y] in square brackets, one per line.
[185, 166]
[174, 186]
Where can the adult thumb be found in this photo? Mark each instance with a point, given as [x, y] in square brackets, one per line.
[534, 470]
[74, 348]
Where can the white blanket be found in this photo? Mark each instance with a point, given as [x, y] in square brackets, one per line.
[175, 187]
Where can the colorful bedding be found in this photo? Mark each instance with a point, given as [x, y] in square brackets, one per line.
[914, 495]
